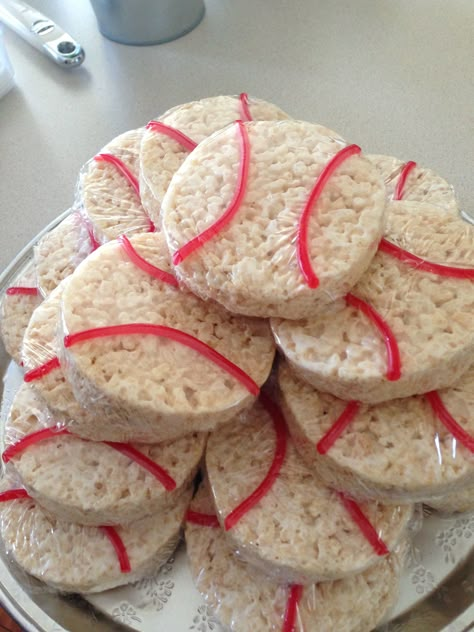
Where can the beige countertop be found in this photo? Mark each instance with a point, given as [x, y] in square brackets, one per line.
[394, 77]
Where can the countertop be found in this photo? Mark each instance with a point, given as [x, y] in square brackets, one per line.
[394, 77]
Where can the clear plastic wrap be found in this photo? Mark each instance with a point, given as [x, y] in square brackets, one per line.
[73, 558]
[59, 252]
[108, 190]
[280, 517]
[168, 140]
[274, 218]
[245, 599]
[155, 360]
[17, 306]
[457, 501]
[405, 450]
[93, 483]
[406, 328]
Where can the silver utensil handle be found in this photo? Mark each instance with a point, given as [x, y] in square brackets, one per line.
[41, 32]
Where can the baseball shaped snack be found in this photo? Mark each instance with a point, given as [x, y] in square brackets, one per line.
[245, 599]
[281, 517]
[273, 218]
[167, 141]
[405, 450]
[406, 328]
[94, 483]
[154, 359]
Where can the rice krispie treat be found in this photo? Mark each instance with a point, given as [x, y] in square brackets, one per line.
[413, 183]
[159, 363]
[59, 252]
[274, 218]
[94, 483]
[108, 191]
[17, 306]
[245, 599]
[405, 450]
[74, 558]
[167, 141]
[406, 328]
[297, 529]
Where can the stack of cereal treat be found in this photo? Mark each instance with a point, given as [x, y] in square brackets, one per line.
[197, 246]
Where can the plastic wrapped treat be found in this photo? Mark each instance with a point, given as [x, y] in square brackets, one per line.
[18, 304]
[59, 252]
[94, 483]
[244, 599]
[279, 516]
[75, 558]
[456, 501]
[405, 450]
[168, 140]
[414, 183]
[108, 191]
[406, 328]
[274, 218]
[154, 360]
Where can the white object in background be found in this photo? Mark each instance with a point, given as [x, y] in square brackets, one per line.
[6, 71]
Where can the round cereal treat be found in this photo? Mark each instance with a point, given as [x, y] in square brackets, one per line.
[75, 558]
[59, 252]
[108, 190]
[406, 328]
[403, 450]
[299, 530]
[17, 306]
[245, 599]
[159, 363]
[274, 218]
[168, 140]
[94, 483]
[414, 183]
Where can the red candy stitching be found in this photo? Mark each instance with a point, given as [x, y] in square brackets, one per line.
[399, 189]
[31, 439]
[144, 265]
[338, 427]
[393, 353]
[294, 597]
[172, 334]
[279, 456]
[244, 107]
[26, 291]
[304, 260]
[364, 525]
[119, 547]
[197, 242]
[202, 519]
[448, 420]
[42, 370]
[14, 494]
[173, 133]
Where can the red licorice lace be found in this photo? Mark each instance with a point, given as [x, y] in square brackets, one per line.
[338, 427]
[364, 525]
[172, 132]
[399, 189]
[124, 448]
[171, 334]
[42, 370]
[394, 370]
[14, 494]
[26, 291]
[244, 107]
[94, 243]
[201, 519]
[144, 265]
[279, 456]
[119, 547]
[448, 420]
[294, 597]
[426, 266]
[304, 260]
[201, 239]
